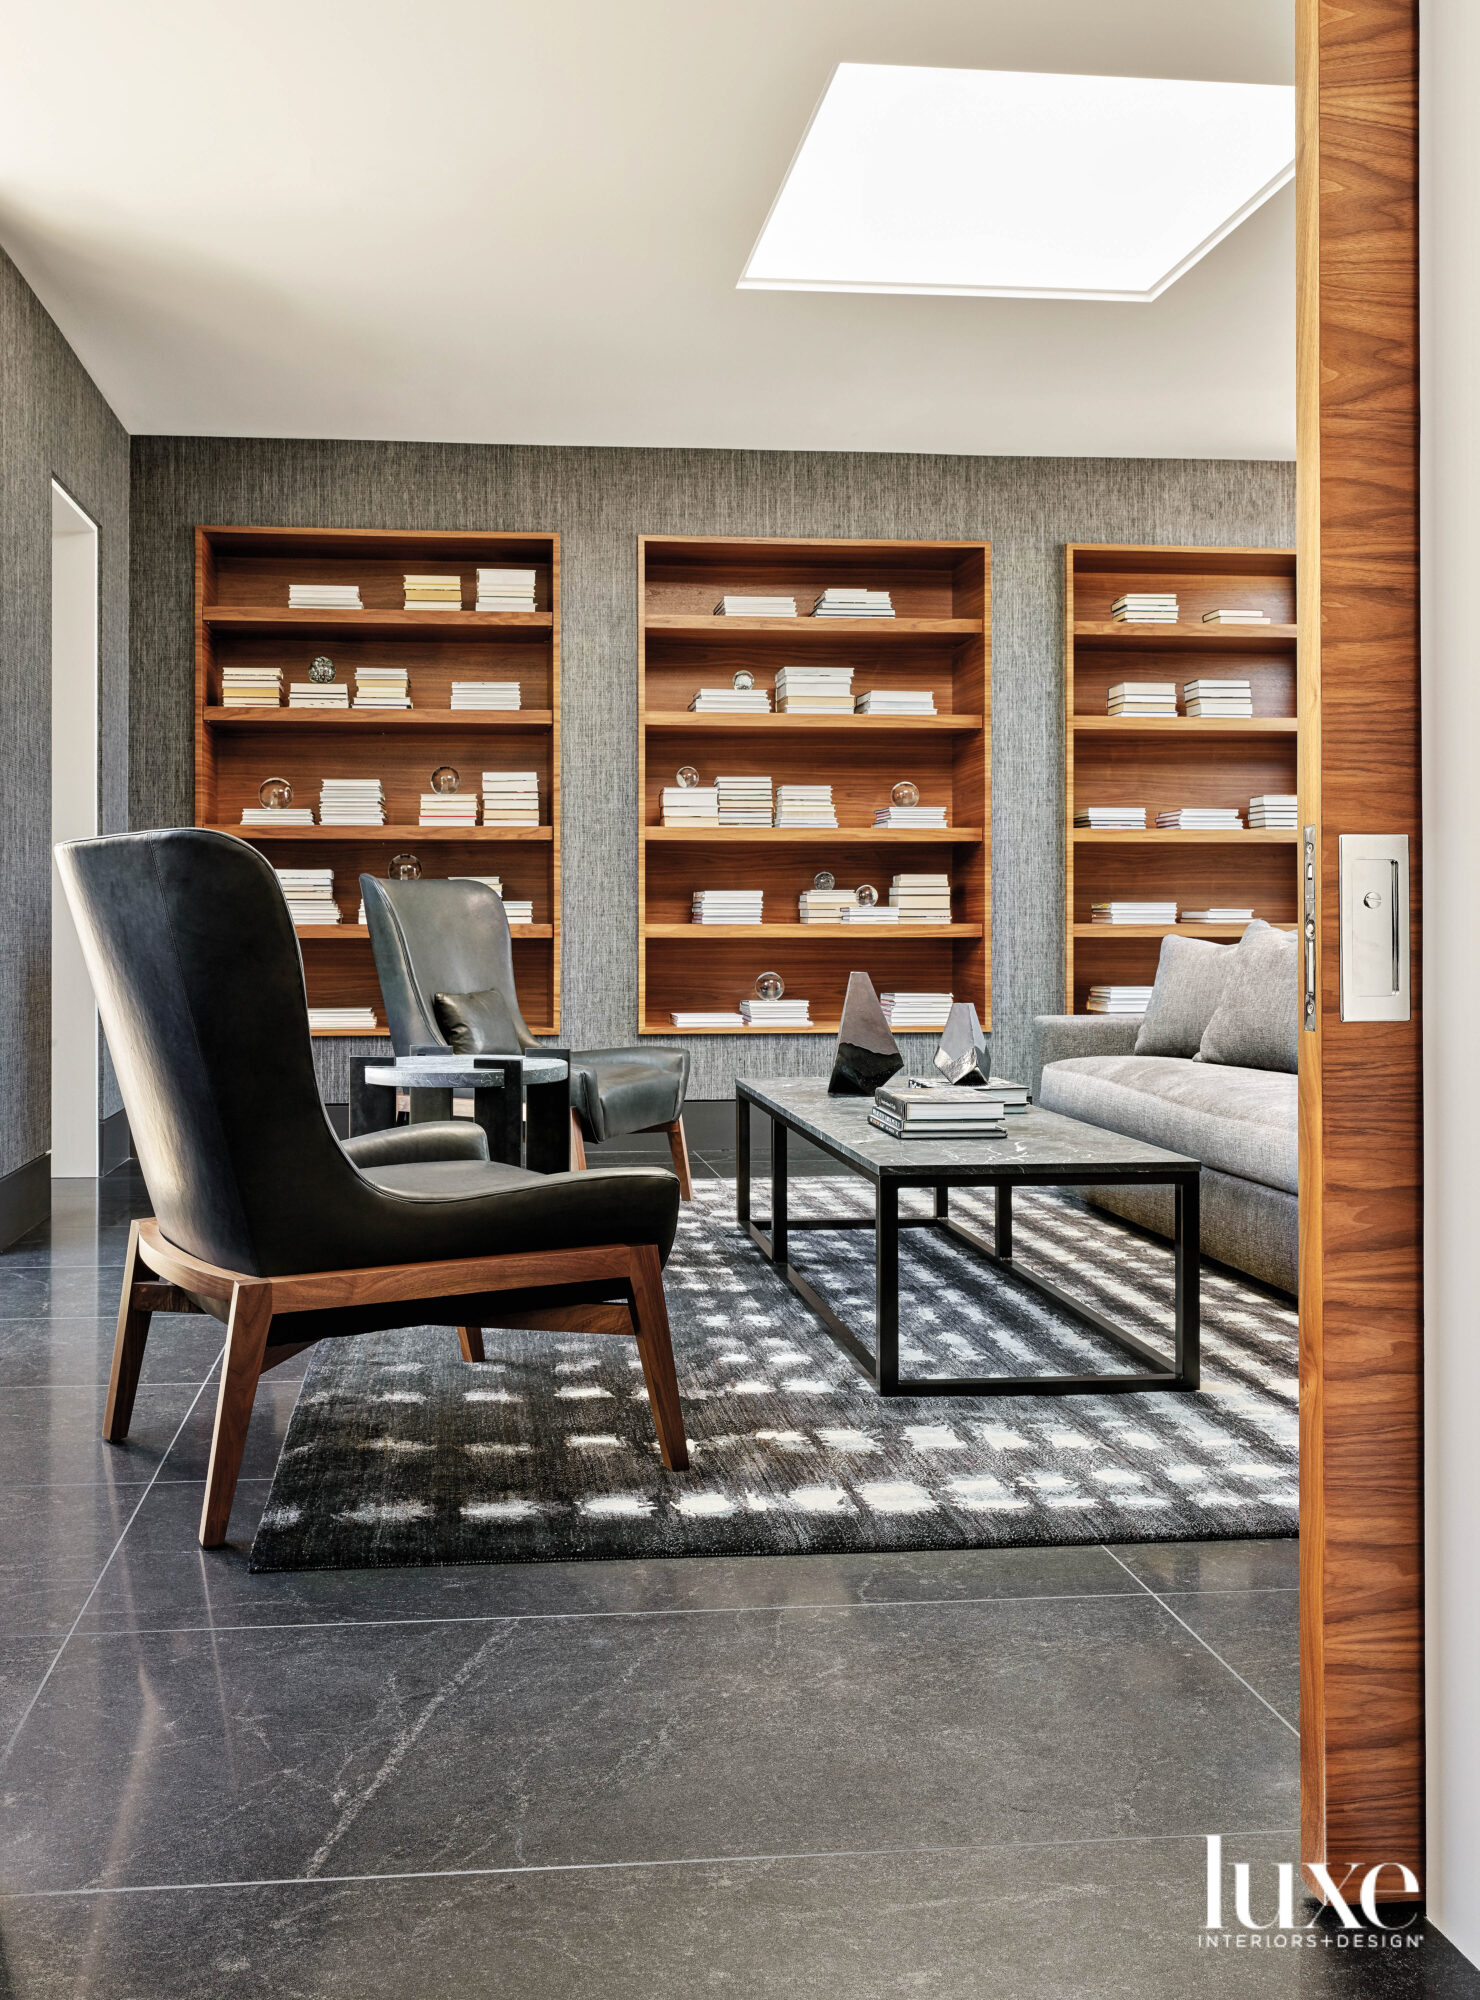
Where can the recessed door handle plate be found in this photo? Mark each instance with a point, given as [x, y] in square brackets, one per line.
[1374, 927]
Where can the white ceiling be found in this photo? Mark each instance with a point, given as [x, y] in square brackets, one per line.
[469, 220]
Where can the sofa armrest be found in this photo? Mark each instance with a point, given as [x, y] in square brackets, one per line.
[406, 1145]
[1059, 1037]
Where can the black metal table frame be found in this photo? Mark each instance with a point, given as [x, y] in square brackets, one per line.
[881, 1362]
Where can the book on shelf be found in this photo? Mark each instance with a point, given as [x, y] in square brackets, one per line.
[277, 816]
[1118, 999]
[251, 687]
[805, 805]
[690, 805]
[776, 1013]
[309, 894]
[1230, 698]
[850, 603]
[921, 899]
[745, 801]
[727, 906]
[1274, 809]
[825, 906]
[870, 913]
[1145, 607]
[433, 593]
[382, 687]
[731, 701]
[1142, 698]
[915, 1010]
[511, 798]
[1111, 819]
[898, 701]
[713, 1018]
[909, 816]
[324, 597]
[351, 802]
[1133, 913]
[1227, 616]
[1201, 819]
[315, 694]
[485, 694]
[1218, 915]
[361, 1018]
[448, 809]
[740, 604]
[814, 691]
[506, 590]
[518, 909]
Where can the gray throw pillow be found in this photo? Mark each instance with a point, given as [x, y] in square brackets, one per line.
[1257, 1025]
[477, 1024]
[1190, 977]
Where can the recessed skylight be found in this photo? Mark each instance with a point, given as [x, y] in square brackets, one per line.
[1008, 184]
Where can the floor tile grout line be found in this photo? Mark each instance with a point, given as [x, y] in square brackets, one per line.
[1292, 1727]
[664, 1861]
[40, 1689]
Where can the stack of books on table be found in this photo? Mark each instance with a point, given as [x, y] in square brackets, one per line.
[727, 906]
[1145, 607]
[776, 1013]
[309, 894]
[351, 802]
[448, 809]
[1133, 913]
[691, 805]
[895, 701]
[1230, 698]
[741, 605]
[1274, 810]
[921, 899]
[251, 687]
[485, 694]
[915, 1010]
[937, 1113]
[1111, 819]
[745, 801]
[359, 1018]
[1219, 914]
[814, 691]
[1230, 617]
[505, 590]
[805, 805]
[1142, 698]
[381, 687]
[731, 701]
[511, 798]
[318, 694]
[277, 815]
[839, 603]
[870, 913]
[1015, 1098]
[714, 1018]
[1119, 999]
[892, 815]
[1202, 819]
[433, 593]
[324, 597]
[825, 906]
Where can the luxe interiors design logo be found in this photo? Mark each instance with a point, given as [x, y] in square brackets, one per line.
[1281, 1930]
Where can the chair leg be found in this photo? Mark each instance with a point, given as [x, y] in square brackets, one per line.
[577, 1146]
[470, 1339]
[656, 1350]
[246, 1343]
[128, 1346]
[678, 1145]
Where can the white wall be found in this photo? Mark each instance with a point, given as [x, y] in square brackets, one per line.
[1450, 362]
[74, 816]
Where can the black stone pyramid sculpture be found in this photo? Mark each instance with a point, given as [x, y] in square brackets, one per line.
[866, 1054]
[962, 1055]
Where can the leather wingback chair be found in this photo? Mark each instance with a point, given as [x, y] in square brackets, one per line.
[263, 1216]
[453, 937]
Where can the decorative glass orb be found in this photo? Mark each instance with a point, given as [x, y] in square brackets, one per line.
[824, 879]
[445, 778]
[322, 669]
[687, 776]
[769, 986]
[404, 868]
[743, 679]
[905, 794]
[275, 793]
[868, 895]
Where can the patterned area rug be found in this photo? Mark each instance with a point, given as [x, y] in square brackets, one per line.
[399, 1452]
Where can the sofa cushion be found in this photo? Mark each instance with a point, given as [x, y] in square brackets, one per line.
[1190, 977]
[1241, 1121]
[1257, 1022]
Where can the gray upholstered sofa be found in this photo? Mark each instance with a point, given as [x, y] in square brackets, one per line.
[1239, 1119]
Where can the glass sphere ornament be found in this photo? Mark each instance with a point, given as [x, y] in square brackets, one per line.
[445, 778]
[743, 679]
[275, 793]
[687, 776]
[769, 986]
[824, 879]
[404, 868]
[905, 794]
[322, 669]
[868, 895]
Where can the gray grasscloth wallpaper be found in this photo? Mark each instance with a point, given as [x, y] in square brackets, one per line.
[53, 425]
[599, 501]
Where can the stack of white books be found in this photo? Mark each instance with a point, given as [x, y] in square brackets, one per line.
[505, 590]
[1232, 698]
[776, 1013]
[731, 701]
[1111, 819]
[251, 687]
[433, 593]
[744, 801]
[351, 802]
[1143, 698]
[1274, 810]
[814, 691]
[448, 809]
[909, 1110]
[277, 815]
[825, 906]
[1221, 913]
[1145, 607]
[381, 687]
[742, 605]
[309, 894]
[892, 815]
[1133, 913]
[805, 805]
[895, 701]
[485, 694]
[518, 910]
[840, 603]
[1202, 819]
[360, 1018]
[870, 913]
[1230, 617]
[691, 805]
[511, 798]
[715, 1018]
[324, 597]
[727, 906]
[1119, 999]
[921, 899]
[318, 694]
[915, 1010]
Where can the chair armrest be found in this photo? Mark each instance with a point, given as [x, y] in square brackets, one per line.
[1059, 1037]
[405, 1145]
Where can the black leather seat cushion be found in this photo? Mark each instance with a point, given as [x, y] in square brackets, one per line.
[616, 1091]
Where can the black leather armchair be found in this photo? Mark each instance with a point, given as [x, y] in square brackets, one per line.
[262, 1216]
[453, 937]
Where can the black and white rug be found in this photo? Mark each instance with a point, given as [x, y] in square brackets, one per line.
[399, 1452]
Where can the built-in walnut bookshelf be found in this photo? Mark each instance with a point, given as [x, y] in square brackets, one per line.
[940, 638]
[1164, 764]
[242, 618]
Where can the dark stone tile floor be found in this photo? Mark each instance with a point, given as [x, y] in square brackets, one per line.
[957, 1775]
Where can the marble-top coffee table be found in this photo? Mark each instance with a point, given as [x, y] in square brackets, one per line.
[1041, 1149]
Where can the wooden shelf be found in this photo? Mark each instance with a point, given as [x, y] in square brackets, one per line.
[654, 1027]
[374, 624]
[816, 836]
[1183, 725]
[1163, 930]
[1171, 836]
[808, 631]
[383, 1034]
[680, 721]
[813, 933]
[348, 933]
[1092, 634]
[396, 836]
[382, 721]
